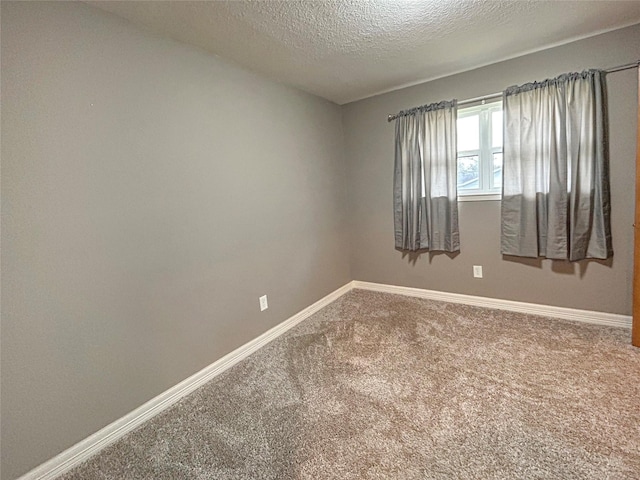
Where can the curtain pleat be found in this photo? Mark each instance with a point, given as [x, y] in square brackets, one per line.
[425, 189]
[555, 197]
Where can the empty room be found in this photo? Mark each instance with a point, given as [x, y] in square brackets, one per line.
[333, 239]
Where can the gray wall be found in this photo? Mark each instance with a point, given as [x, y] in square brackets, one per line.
[601, 286]
[150, 194]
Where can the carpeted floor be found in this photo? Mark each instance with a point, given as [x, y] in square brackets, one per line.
[379, 386]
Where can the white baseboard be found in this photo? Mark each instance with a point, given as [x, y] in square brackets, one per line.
[587, 316]
[91, 445]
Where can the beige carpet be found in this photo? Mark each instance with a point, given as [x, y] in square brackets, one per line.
[378, 386]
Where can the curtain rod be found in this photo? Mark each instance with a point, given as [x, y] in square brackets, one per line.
[491, 96]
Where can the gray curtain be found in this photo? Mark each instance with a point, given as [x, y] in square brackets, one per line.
[555, 195]
[425, 189]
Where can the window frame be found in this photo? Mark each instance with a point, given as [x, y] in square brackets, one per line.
[484, 152]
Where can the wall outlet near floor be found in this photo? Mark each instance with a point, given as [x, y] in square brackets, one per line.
[477, 271]
[263, 303]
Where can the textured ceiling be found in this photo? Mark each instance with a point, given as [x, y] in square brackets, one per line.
[345, 50]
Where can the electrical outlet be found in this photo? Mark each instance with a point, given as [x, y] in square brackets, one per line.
[263, 303]
[477, 271]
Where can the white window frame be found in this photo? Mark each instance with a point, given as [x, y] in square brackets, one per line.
[486, 190]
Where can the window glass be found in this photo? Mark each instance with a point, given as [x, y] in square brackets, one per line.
[480, 149]
[497, 160]
[496, 129]
[497, 170]
[468, 172]
[468, 133]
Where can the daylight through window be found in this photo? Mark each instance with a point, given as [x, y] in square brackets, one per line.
[480, 149]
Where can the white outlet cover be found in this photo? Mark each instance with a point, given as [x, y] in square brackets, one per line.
[263, 303]
[477, 271]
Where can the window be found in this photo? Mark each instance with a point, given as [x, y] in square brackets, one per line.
[480, 151]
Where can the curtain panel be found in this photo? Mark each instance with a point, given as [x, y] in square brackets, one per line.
[425, 179]
[555, 195]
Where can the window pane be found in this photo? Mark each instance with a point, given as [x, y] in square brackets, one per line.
[497, 160]
[468, 173]
[497, 170]
[480, 143]
[469, 133]
[496, 129]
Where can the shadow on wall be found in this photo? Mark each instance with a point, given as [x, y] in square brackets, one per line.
[564, 267]
[412, 257]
